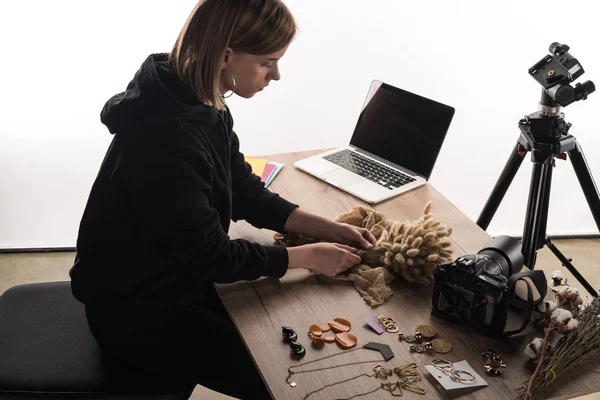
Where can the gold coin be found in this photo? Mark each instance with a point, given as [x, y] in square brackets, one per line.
[427, 331]
[441, 345]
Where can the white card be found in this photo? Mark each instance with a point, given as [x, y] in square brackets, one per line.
[447, 382]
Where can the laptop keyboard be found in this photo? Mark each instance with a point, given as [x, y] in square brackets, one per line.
[367, 168]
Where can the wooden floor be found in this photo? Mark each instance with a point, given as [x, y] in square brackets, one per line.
[17, 268]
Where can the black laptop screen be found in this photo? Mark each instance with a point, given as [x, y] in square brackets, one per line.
[402, 127]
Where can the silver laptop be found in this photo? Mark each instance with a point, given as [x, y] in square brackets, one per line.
[393, 149]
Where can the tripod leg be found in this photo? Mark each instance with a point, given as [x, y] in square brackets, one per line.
[567, 263]
[504, 181]
[588, 186]
[534, 231]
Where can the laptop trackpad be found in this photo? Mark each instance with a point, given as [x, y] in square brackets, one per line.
[342, 177]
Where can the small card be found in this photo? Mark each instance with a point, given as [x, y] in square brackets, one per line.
[448, 384]
[376, 324]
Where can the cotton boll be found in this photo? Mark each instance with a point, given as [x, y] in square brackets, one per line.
[572, 293]
[568, 293]
[557, 278]
[534, 348]
[557, 274]
[578, 301]
[547, 307]
[560, 316]
[572, 324]
[529, 352]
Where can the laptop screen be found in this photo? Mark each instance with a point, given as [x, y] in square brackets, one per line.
[402, 127]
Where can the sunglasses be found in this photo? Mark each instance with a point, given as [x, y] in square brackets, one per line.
[291, 337]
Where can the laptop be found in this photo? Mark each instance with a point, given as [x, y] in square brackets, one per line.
[393, 149]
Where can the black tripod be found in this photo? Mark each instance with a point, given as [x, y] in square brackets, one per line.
[545, 135]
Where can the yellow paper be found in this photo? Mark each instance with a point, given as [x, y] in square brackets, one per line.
[258, 164]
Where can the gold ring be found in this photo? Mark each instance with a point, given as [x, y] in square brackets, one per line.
[455, 376]
[445, 365]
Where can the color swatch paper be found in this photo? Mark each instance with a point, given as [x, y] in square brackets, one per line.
[276, 170]
[258, 164]
[267, 172]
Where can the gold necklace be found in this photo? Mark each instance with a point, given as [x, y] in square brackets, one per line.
[290, 372]
[408, 374]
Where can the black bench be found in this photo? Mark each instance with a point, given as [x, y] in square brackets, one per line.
[47, 351]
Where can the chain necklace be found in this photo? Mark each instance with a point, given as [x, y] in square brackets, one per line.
[408, 374]
[290, 372]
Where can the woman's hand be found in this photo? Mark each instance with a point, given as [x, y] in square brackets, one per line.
[328, 259]
[321, 228]
[351, 235]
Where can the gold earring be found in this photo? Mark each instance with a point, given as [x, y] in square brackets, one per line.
[456, 376]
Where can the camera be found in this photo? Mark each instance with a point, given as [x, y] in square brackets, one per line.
[556, 71]
[477, 289]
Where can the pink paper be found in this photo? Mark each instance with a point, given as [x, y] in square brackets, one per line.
[267, 172]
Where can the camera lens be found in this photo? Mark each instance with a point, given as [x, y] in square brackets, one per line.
[506, 253]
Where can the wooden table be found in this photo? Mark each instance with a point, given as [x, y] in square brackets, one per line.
[259, 309]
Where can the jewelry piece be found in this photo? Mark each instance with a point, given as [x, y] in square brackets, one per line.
[422, 332]
[428, 332]
[297, 349]
[408, 374]
[288, 334]
[456, 376]
[232, 90]
[441, 345]
[392, 386]
[389, 323]
[421, 348]
[381, 371]
[493, 364]
[290, 372]
[437, 345]
[442, 365]
[413, 388]
[411, 338]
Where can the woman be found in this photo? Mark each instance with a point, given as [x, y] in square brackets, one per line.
[153, 237]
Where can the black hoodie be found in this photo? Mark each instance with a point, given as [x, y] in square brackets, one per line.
[154, 230]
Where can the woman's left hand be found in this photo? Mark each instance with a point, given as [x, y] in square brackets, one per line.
[351, 235]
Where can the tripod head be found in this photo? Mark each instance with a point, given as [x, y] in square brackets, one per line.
[555, 72]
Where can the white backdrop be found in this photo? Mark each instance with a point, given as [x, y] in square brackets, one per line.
[62, 60]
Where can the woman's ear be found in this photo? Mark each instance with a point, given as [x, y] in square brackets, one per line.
[227, 56]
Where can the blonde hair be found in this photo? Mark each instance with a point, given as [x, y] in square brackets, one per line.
[256, 27]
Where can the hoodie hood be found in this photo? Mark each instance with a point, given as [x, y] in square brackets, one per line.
[154, 97]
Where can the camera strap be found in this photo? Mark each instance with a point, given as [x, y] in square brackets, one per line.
[539, 281]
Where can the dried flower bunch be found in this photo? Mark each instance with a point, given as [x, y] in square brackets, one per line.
[579, 329]
[411, 249]
[407, 249]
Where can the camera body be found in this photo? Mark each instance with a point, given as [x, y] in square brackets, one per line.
[476, 289]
